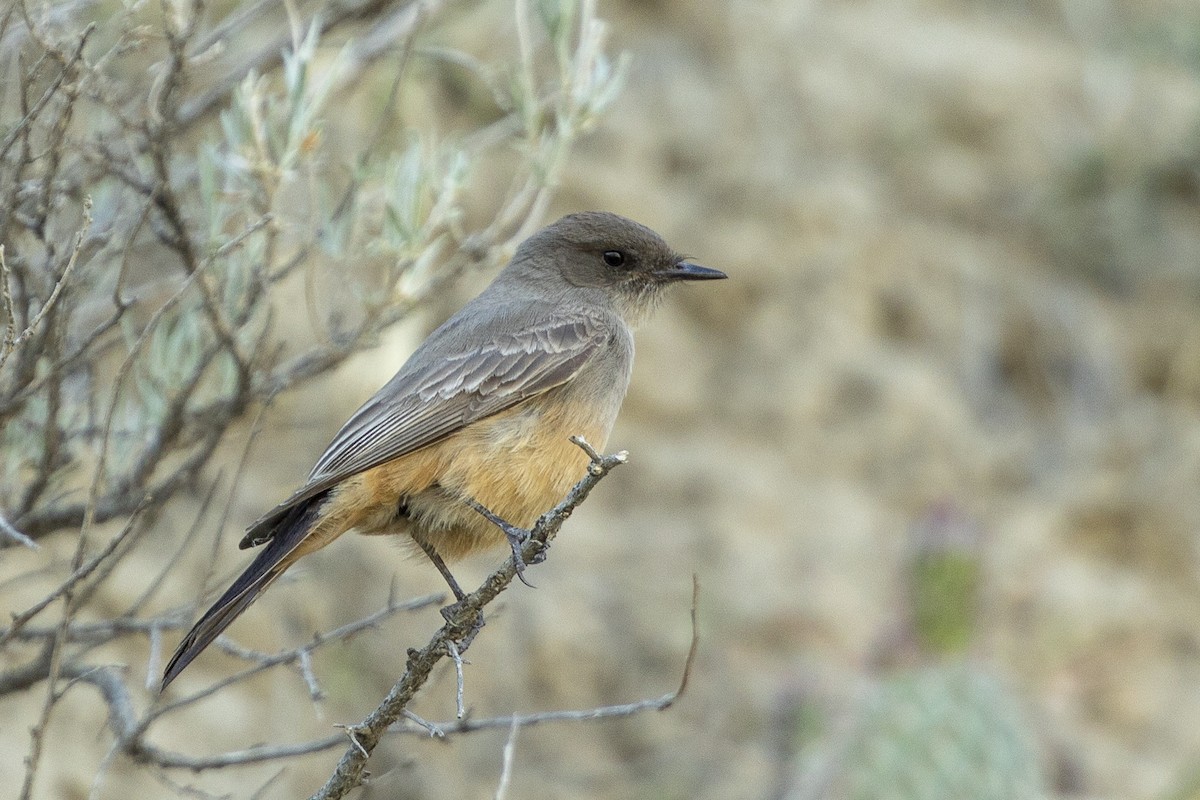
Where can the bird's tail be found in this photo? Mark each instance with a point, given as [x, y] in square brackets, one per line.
[270, 563]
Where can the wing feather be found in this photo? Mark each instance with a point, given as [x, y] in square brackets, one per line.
[427, 402]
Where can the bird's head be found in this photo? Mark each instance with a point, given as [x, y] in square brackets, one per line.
[627, 262]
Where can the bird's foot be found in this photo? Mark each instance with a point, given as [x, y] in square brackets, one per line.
[517, 538]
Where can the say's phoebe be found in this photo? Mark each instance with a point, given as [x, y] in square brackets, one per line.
[473, 431]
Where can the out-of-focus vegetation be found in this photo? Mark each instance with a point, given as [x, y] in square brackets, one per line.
[933, 450]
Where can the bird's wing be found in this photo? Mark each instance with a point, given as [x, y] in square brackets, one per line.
[427, 403]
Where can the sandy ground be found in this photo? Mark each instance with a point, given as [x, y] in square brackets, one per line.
[962, 240]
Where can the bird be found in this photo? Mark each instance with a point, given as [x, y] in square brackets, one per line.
[470, 441]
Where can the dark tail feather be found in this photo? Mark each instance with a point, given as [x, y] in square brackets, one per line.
[266, 567]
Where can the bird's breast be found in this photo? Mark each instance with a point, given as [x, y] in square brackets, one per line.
[518, 463]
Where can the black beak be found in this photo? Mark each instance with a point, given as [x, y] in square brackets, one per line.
[683, 271]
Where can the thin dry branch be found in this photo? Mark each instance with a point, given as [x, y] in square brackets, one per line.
[82, 572]
[464, 620]
[55, 655]
[150, 754]
[270, 56]
[130, 728]
[506, 764]
[467, 725]
[123, 720]
[51, 90]
[263, 661]
[55, 294]
[7, 529]
[10, 311]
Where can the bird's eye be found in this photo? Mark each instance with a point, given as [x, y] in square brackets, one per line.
[614, 258]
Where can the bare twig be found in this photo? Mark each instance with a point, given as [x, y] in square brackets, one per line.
[24, 122]
[55, 665]
[10, 311]
[310, 678]
[251, 755]
[123, 498]
[7, 529]
[452, 648]
[156, 582]
[263, 662]
[433, 730]
[271, 56]
[602, 712]
[91, 633]
[464, 620]
[59, 285]
[122, 719]
[82, 572]
[130, 730]
[510, 749]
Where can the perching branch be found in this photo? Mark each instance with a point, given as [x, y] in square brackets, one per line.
[463, 621]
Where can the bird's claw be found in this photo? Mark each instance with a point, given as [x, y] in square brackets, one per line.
[517, 538]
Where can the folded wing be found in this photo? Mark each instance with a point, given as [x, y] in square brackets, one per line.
[425, 403]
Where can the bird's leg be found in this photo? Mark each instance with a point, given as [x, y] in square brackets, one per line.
[459, 594]
[517, 537]
[452, 613]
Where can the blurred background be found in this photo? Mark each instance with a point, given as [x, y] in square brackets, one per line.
[932, 451]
